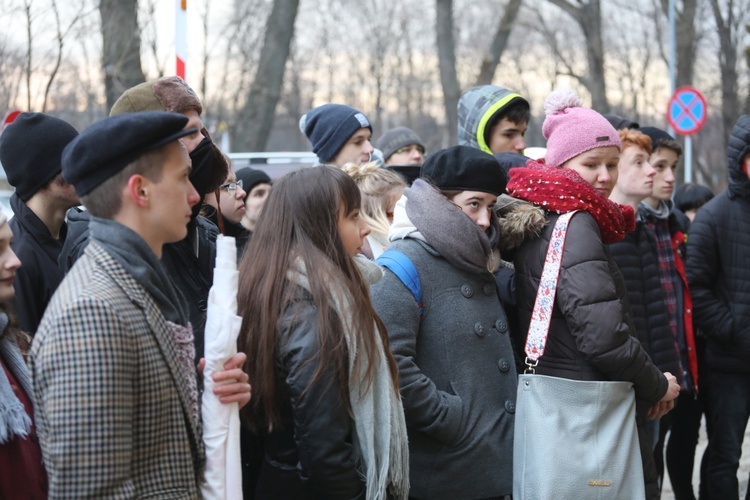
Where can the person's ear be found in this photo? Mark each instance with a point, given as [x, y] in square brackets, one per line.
[746, 166]
[139, 190]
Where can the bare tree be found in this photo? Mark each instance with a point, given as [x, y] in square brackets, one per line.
[121, 48]
[492, 58]
[149, 34]
[256, 117]
[61, 35]
[588, 16]
[447, 64]
[728, 31]
[29, 46]
[686, 39]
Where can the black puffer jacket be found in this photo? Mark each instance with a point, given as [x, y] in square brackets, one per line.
[637, 259]
[589, 336]
[310, 455]
[718, 264]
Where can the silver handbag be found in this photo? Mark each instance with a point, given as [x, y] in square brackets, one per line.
[572, 439]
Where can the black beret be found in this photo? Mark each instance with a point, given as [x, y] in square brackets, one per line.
[109, 145]
[30, 151]
[463, 168]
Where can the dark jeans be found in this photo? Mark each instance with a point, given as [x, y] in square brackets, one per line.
[729, 410]
[683, 438]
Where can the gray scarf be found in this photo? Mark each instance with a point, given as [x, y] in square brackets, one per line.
[381, 436]
[13, 418]
[448, 230]
[132, 252]
[661, 212]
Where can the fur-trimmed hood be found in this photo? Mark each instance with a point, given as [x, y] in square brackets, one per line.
[519, 220]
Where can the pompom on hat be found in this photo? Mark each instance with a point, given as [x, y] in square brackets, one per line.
[571, 129]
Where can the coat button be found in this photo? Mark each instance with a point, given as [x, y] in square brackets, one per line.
[503, 365]
[479, 329]
[501, 326]
[466, 291]
[510, 406]
[488, 289]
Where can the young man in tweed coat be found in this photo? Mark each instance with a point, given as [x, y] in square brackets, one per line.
[112, 364]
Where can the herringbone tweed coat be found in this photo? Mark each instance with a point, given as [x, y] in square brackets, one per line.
[112, 413]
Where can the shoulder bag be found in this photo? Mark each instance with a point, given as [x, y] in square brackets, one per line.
[572, 439]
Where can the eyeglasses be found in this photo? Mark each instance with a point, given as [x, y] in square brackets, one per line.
[231, 186]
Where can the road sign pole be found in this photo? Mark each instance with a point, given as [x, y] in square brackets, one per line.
[688, 159]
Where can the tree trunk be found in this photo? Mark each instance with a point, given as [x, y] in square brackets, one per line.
[589, 19]
[730, 102]
[447, 64]
[256, 117]
[121, 48]
[686, 40]
[492, 58]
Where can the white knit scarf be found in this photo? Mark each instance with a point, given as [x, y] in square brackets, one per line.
[378, 413]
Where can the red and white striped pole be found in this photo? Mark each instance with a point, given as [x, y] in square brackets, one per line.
[180, 43]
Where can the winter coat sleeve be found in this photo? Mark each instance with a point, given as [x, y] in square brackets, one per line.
[84, 381]
[323, 429]
[427, 409]
[587, 296]
[712, 312]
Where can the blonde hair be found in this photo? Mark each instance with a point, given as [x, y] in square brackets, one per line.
[377, 186]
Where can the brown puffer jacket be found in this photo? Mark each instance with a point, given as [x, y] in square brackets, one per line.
[590, 335]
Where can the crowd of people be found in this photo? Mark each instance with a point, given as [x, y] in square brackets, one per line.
[384, 317]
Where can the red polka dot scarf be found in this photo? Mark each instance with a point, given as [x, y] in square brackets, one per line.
[562, 190]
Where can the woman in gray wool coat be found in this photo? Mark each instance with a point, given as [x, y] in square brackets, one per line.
[457, 374]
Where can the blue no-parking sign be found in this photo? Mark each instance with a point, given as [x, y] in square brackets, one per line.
[687, 111]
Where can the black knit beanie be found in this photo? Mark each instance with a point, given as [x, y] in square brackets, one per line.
[464, 168]
[31, 150]
[657, 136]
[251, 177]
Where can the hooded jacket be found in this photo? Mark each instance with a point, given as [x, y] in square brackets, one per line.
[475, 109]
[718, 264]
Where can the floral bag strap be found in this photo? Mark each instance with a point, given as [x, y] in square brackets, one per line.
[541, 316]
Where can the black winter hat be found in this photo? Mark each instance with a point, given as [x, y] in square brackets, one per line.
[509, 160]
[397, 138]
[464, 168]
[30, 150]
[657, 136]
[106, 147]
[329, 127]
[251, 177]
[620, 122]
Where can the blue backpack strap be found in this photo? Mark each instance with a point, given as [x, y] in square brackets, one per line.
[404, 269]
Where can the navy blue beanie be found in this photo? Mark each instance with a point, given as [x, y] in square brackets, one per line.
[329, 126]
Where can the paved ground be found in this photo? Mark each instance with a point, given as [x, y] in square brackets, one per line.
[742, 474]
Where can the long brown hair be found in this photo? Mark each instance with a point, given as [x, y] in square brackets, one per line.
[300, 221]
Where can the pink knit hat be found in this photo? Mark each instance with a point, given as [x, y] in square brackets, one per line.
[571, 129]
